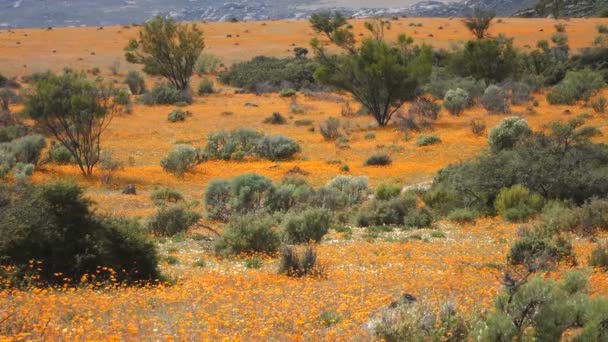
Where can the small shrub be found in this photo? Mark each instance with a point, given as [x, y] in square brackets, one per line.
[165, 195]
[232, 145]
[520, 93]
[171, 220]
[330, 128]
[23, 171]
[586, 220]
[277, 147]
[299, 264]
[275, 119]
[419, 218]
[287, 92]
[389, 212]
[576, 86]
[249, 234]
[462, 215]
[387, 191]
[250, 192]
[28, 149]
[205, 87]
[165, 95]
[599, 104]
[378, 159]
[178, 115]
[478, 127]
[330, 318]
[253, 263]
[135, 82]
[494, 100]
[456, 101]
[306, 226]
[207, 64]
[427, 140]
[425, 109]
[122, 97]
[599, 256]
[217, 199]
[518, 203]
[182, 159]
[346, 190]
[60, 154]
[508, 133]
[539, 253]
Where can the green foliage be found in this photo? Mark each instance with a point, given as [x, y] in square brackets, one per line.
[306, 226]
[479, 23]
[518, 203]
[53, 224]
[76, 111]
[508, 133]
[168, 49]
[277, 147]
[287, 92]
[217, 199]
[494, 99]
[27, 149]
[250, 192]
[349, 190]
[295, 263]
[269, 74]
[60, 154]
[491, 60]
[599, 104]
[442, 81]
[455, 101]
[121, 97]
[599, 256]
[249, 234]
[585, 220]
[520, 93]
[536, 251]
[275, 119]
[387, 191]
[378, 159]
[462, 215]
[205, 87]
[171, 220]
[576, 86]
[135, 82]
[386, 212]
[240, 143]
[12, 132]
[164, 94]
[177, 115]
[164, 195]
[427, 140]
[207, 64]
[182, 159]
[420, 218]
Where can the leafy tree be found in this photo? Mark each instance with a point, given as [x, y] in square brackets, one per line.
[380, 75]
[492, 60]
[479, 23]
[328, 23]
[168, 49]
[76, 111]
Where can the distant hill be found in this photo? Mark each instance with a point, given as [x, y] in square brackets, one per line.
[566, 8]
[42, 13]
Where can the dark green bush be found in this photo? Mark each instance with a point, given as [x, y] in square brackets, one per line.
[419, 218]
[378, 159]
[427, 140]
[205, 87]
[292, 193]
[576, 86]
[12, 132]
[275, 119]
[494, 100]
[269, 74]
[330, 129]
[165, 95]
[518, 203]
[586, 220]
[599, 256]
[295, 263]
[182, 159]
[492, 60]
[122, 97]
[306, 226]
[178, 115]
[28, 149]
[387, 191]
[537, 252]
[171, 220]
[53, 224]
[60, 154]
[508, 133]
[135, 82]
[462, 215]
[456, 101]
[249, 234]
[250, 192]
[441, 82]
[277, 147]
[386, 212]
[165, 195]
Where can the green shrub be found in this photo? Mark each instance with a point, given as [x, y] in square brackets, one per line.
[53, 224]
[171, 220]
[292, 193]
[330, 129]
[182, 159]
[121, 97]
[520, 93]
[387, 191]
[539, 253]
[251, 192]
[207, 64]
[576, 86]
[599, 104]
[165, 195]
[518, 203]
[249, 234]
[287, 92]
[165, 95]
[455, 101]
[420, 218]
[218, 199]
[494, 100]
[508, 133]
[349, 190]
[388, 212]
[586, 220]
[277, 147]
[178, 115]
[489, 59]
[28, 149]
[23, 171]
[295, 263]
[205, 87]
[441, 82]
[10, 133]
[135, 82]
[269, 74]
[306, 226]
[275, 119]
[599, 256]
[253, 263]
[378, 159]
[60, 154]
[427, 140]
[233, 145]
[462, 215]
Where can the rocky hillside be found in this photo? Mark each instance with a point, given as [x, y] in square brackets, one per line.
[567, 8]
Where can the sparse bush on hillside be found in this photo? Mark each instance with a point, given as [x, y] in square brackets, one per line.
[599, 256]
[585, 220]
[576, 86]
[135, 82]
[378, 159]
[177, 115]
[249, 234]
[53, 224]
[386, 212]
[427, 140]
[164, 195]
[441, 82]
[205, 87]
[182, 159]
[275, 119]
[387, 191]
[456, 101]
[165, 95]
[172, 219]
[520, 93]
[350, 190]
[241, 143]
[518, 203]
[296, 263]
[330, 128]
[508, 133]
[207, 64]
[218, 198]
[490, 59]
[60, 154]
[599, 104]
[494, 99]
[306, 226]
[277, 147]
[479, 23]
[537, 252]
